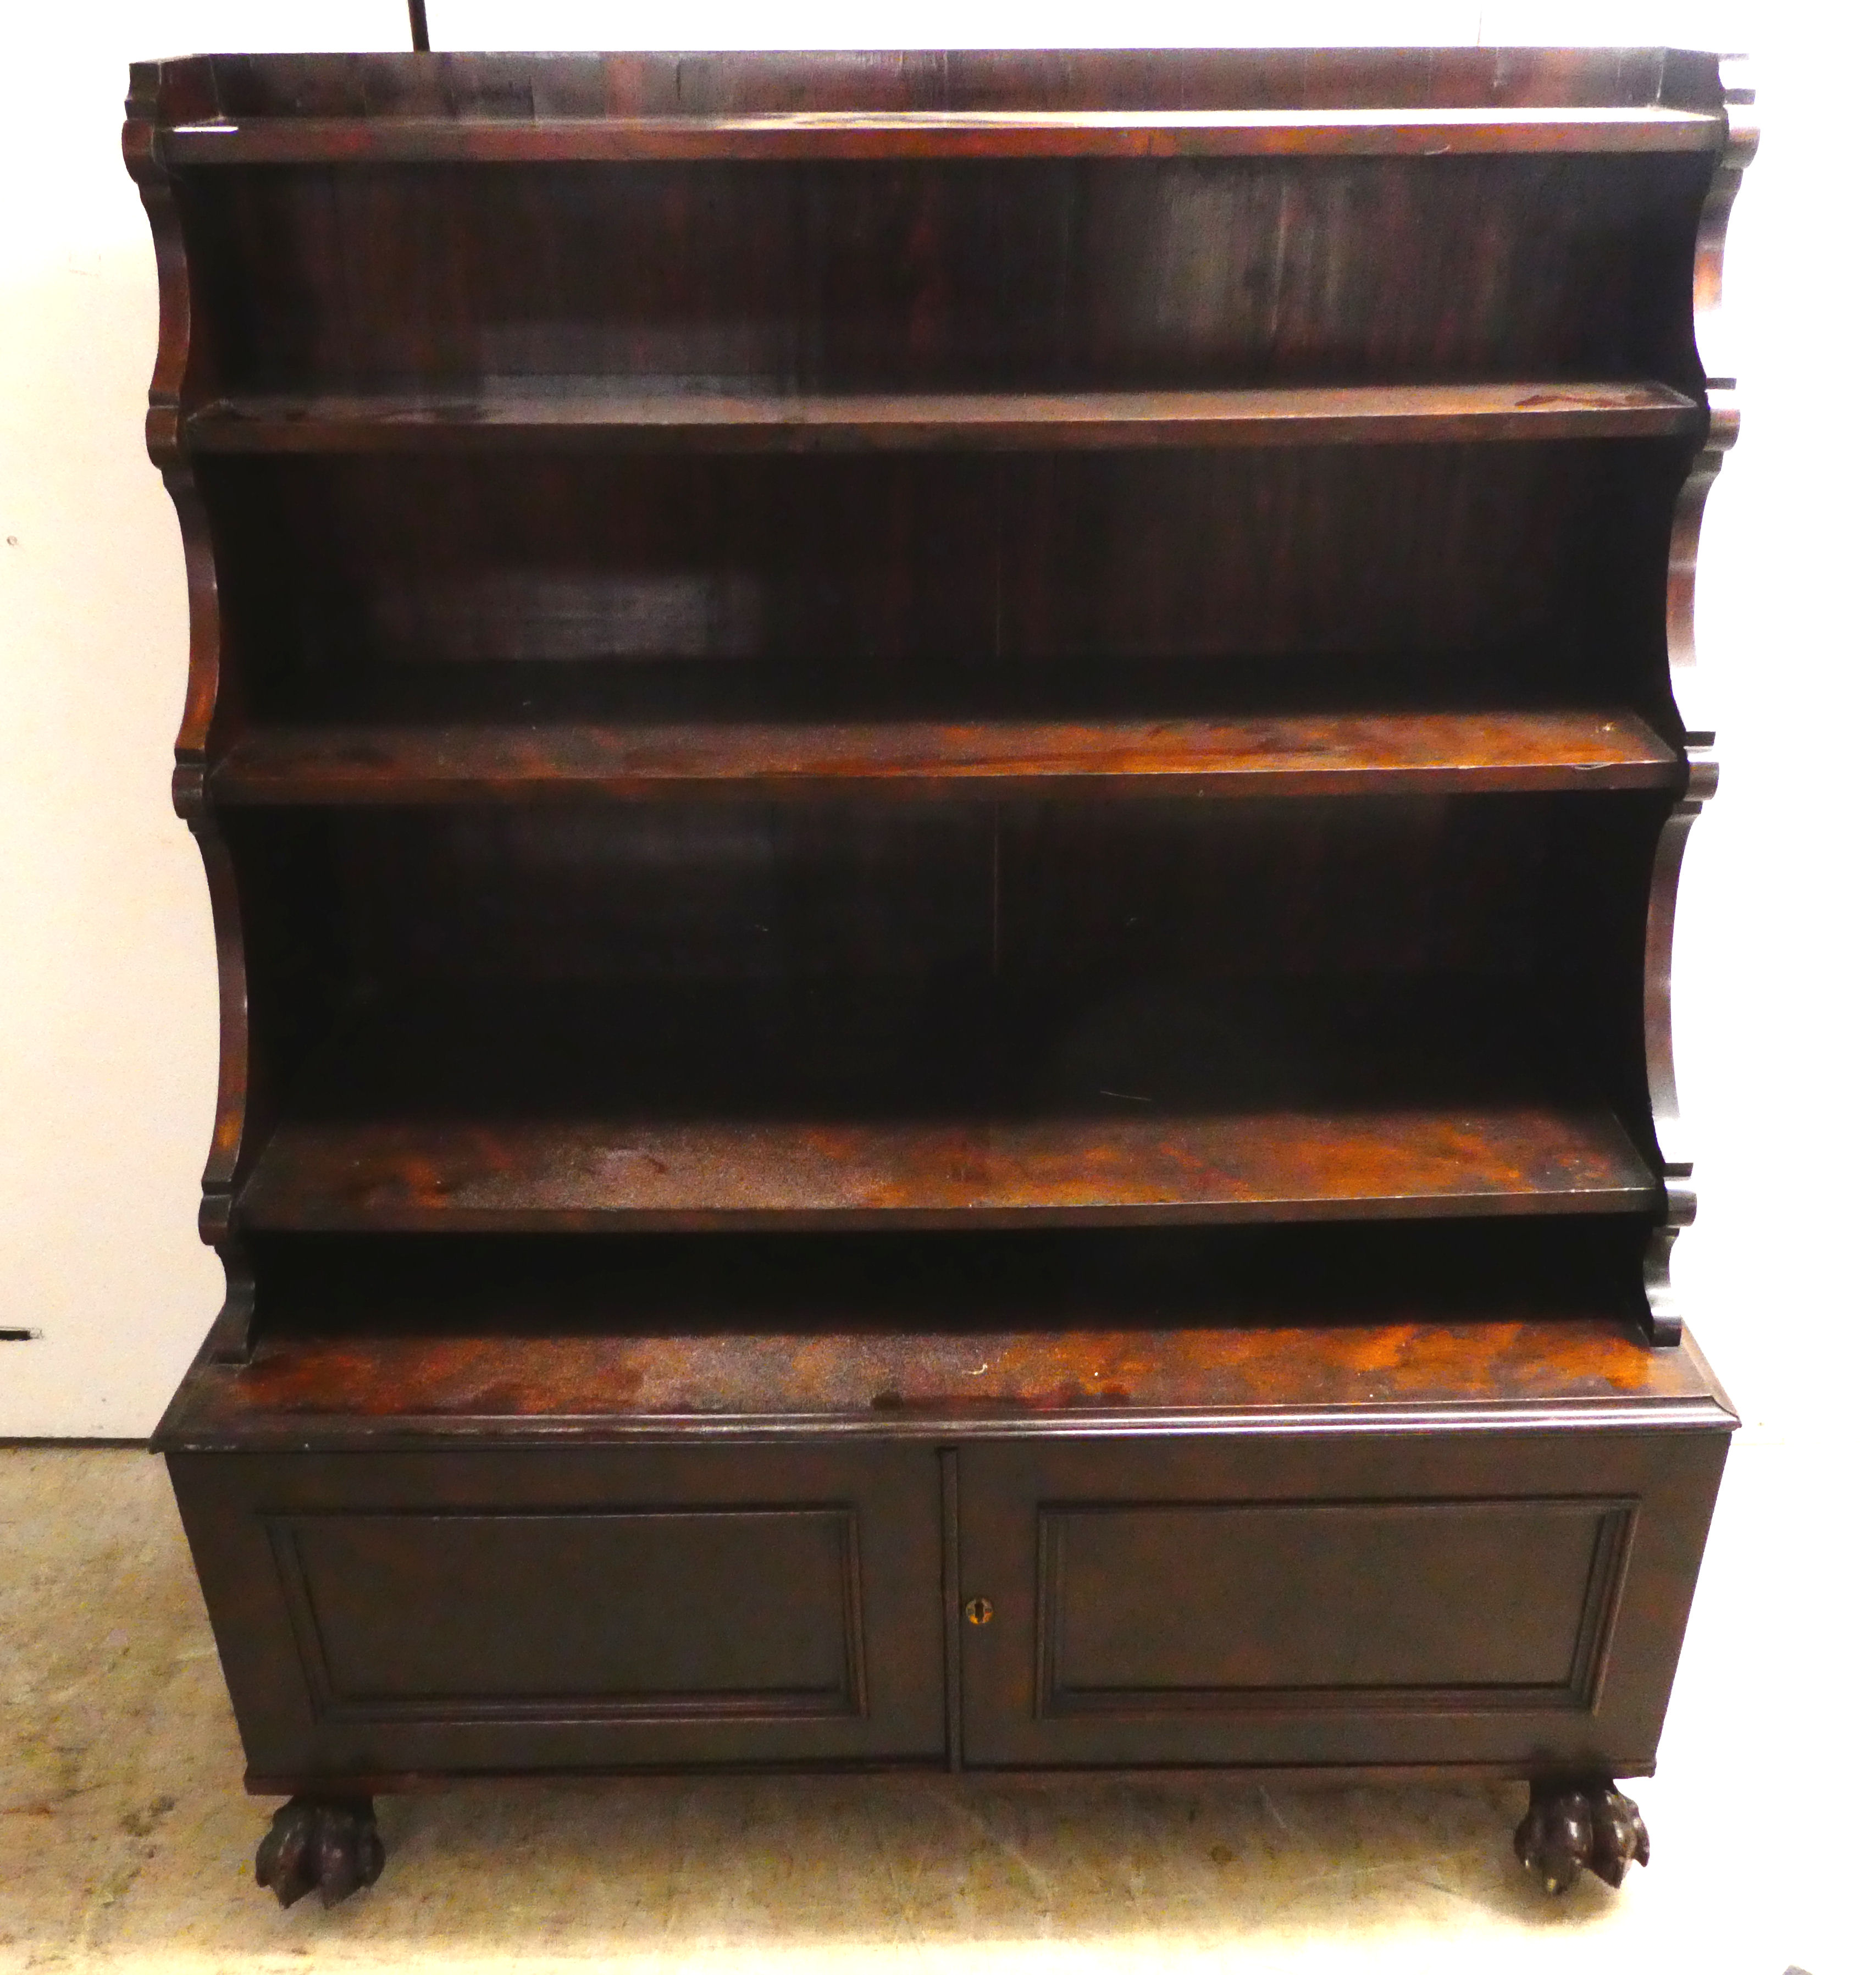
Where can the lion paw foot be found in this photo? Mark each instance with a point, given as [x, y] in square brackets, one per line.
[329, 1844]
[1574, 1822]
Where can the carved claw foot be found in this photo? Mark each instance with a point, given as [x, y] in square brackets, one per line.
[331, 1843]
[1578, 1821]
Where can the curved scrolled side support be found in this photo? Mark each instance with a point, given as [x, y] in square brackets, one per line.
[174, 380]
[1739, 100]
[143, 159]
[178, 377]
[1714, 346]
[230, 1337]
[1664, 1320]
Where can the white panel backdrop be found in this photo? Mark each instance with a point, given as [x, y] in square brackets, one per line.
[107, 982]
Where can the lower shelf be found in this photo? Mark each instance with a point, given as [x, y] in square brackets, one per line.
[901, 1104]
[720, 1174]
[1377, 1548]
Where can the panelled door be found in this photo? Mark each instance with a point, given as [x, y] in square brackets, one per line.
[597, 1608]
[1358, 1598]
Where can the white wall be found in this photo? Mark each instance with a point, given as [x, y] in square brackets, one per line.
[107, 984]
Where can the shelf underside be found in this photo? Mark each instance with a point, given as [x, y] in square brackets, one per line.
[574, 411]
[886, 1105]
[1427, 753]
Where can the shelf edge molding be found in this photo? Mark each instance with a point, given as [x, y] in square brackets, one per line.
[1714, 345]
[584, 412]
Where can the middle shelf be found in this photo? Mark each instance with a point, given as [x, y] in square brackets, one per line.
[1307, 755]
[562, 412]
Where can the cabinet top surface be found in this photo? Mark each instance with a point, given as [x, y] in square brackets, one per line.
[1593, 1372]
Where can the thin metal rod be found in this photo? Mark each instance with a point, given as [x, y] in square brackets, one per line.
[419, 27]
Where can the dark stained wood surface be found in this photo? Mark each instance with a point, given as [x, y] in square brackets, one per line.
[1025, 425]
[876, 935]
[719, 83]
[1334, 1597]
[995, 278]
[950, 584]
[946, 133]
[518, 1175]
[354, 1389]
[325, 1844]
[769, 1603]
[1424, 753]
[575, 411]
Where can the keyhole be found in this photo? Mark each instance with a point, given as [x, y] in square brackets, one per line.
[980, 1611]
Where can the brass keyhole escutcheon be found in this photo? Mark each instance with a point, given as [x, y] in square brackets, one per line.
[980, 1611]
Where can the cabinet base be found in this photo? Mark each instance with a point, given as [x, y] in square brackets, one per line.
[331, 1844]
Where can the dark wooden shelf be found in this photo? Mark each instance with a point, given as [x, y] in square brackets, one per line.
[1433, 753]
[946, 133]
[516, 1106]
[361, 1334]
[571, 411]
[518, 1175]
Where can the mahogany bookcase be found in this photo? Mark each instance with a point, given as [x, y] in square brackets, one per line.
[943, 794]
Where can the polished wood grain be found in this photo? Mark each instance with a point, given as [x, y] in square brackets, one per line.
[951, 583]
[1424, 753]
[1275, 1165]
[991, 279]
[579, 411]
[358, 1390]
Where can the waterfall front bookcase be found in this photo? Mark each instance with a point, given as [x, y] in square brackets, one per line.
[943, 794]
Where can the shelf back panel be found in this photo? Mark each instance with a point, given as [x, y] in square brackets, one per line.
[909, 275]
[571, 585]
[855, 1288]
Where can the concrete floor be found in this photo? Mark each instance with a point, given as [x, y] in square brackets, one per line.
[126, 1840]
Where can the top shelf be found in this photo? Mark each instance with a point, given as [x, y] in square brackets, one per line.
[1028, 131]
